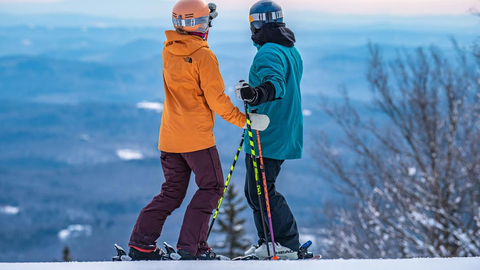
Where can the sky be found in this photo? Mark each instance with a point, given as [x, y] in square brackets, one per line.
[144, 9]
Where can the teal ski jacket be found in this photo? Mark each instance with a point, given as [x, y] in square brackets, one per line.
[278, 61]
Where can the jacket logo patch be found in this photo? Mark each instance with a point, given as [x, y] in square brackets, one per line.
[188, 60]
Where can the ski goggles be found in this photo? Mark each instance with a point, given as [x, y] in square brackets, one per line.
[258, 19]
[203, 21]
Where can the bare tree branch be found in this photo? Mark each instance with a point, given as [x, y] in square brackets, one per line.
[413, 180]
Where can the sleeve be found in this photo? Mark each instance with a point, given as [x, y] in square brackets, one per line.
[213, 88]
[269, 66]
[265, 92]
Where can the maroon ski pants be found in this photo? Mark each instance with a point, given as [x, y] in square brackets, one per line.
[177, 169]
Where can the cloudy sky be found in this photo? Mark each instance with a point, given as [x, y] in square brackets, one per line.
[152, 8]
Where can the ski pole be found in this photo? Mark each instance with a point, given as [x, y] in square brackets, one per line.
[267, 199]
[259, 188]
[226, 184]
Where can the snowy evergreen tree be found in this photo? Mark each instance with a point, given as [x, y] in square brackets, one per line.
[231, 225]
[413, 177]
[67, 257]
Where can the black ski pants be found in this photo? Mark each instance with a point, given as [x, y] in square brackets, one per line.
[284, 225]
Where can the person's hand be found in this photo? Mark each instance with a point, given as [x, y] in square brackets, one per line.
[245, 92]
[259, 122]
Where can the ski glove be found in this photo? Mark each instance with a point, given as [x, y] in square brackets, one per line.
[213, 13]
[245, 92]
[255, 96]
[259, 122]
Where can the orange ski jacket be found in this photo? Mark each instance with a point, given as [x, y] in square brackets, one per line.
[194, 92]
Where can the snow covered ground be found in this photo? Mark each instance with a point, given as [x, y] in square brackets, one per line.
[410, 264]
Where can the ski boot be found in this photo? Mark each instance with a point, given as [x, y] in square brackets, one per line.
[206, 256]
[250, 253]
[251, 250]
[136, 255]
[283, 253]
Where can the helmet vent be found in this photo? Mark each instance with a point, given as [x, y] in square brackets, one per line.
[188, 16]
[174, 14]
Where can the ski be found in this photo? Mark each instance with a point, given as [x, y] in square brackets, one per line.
[170, 255]
[255, 258]
[246, 258]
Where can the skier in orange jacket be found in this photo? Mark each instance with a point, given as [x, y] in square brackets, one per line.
[194, 92]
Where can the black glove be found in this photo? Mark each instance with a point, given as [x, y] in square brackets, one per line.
[213, 13]
[245, 92]
[255, 96]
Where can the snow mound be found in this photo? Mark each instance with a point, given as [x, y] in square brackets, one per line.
[410, 264]
[9, 210]
[128, 154]
[75, 231]
[155, 106]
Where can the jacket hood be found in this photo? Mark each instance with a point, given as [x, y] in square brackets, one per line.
[274, 33]
[183, 45]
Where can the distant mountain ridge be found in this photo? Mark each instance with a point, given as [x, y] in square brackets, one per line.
[65, 81]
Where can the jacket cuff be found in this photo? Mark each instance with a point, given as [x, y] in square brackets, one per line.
[265, 92]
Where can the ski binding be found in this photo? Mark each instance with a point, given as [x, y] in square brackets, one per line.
[171, 252]
[121, 255]
[304, 254]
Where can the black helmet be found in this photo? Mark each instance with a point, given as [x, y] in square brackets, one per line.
[263, 12]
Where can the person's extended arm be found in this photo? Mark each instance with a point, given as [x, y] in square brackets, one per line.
[213, 88]
[269, 67]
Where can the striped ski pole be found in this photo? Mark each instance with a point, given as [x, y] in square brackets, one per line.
[259, 188]
[226, 185]
[267, 199]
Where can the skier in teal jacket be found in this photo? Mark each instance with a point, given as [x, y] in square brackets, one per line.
[274, 90]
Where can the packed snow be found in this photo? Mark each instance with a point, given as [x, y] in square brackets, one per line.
[9, 210]
[410, 264]
[75, 231]
[156, 106]
[129, 154]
